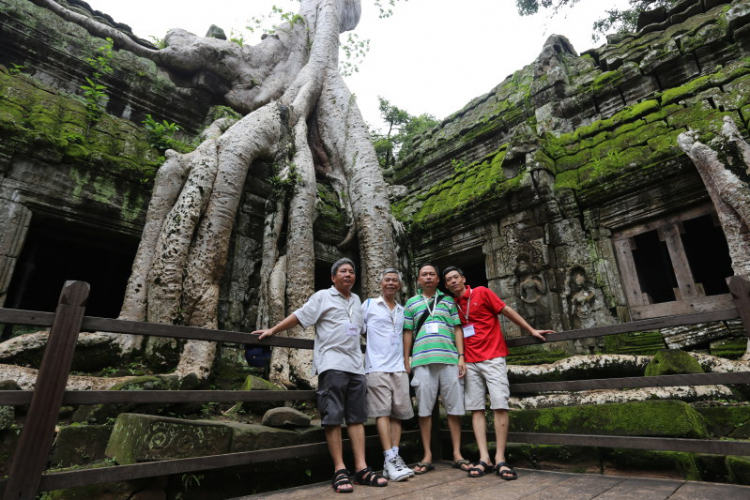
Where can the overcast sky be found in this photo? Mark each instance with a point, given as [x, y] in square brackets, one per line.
[431, 56]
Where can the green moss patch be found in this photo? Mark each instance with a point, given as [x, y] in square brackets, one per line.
[739, 469]
[683, 464]
[727, 421]
[470, 186]
[665, 419]
[672, 362]
[34, 118]
[636, 343]
[534, 355]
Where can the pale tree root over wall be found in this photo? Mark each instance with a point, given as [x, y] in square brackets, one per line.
[724, 166]
[284, 85]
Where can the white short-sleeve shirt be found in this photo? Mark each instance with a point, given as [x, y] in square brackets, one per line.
[337, 346]
[385, 329]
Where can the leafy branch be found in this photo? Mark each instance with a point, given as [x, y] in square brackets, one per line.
[160, 134]
[94, 91]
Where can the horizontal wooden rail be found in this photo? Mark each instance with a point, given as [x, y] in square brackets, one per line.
[90, 323]
[710, 446]
[187, 332]
[634, 326]
[714, 447]
[72, 479]
[632, 382]
[18, 398]
[21, 317]
[39, 318]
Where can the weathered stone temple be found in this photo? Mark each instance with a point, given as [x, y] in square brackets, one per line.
[564, 188]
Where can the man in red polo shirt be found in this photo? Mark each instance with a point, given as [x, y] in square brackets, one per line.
[485, 350]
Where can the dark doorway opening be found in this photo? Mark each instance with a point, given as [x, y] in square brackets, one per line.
[655, 271]
[471, 262]
[57, 250]
[708, 254]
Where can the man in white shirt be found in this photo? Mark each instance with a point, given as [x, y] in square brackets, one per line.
[337, 359]
[388, 398]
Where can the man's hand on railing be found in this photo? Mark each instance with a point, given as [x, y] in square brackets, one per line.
[540, 333]
[263, 333]
[289, 322]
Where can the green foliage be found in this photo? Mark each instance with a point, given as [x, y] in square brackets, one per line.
[101, 60]
[617, 20]
[286, 21]
[94, 92]
[284, 184]
[160, 134]
[355, 51]
[353, 48]
[403, 128]
[158, 42]
[189, 481]
[384, 9]
[16, 68]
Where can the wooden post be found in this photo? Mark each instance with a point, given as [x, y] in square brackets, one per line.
[739, 286]
[38, 431]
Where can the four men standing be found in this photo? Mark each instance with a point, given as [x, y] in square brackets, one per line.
[426, 338]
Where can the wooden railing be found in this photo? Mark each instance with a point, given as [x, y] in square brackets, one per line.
[27, 476]
[739, 287]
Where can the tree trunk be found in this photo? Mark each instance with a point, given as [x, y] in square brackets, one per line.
[725, 170]
[279, 85]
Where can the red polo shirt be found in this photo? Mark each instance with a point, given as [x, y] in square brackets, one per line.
[487, 341]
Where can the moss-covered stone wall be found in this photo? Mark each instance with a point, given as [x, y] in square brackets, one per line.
[546, 167]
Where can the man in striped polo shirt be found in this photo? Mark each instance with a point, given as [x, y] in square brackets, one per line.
[434, 341]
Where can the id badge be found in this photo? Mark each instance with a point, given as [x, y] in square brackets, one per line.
[395, 339]
[431, 328]
[468, 330]
[352, 330]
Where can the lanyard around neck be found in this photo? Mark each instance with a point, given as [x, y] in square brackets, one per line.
[468, 306]
[427, 304]
[348, 304]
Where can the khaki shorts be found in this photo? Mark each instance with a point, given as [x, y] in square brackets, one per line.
[388, 395]
[487, 376]
[426, 382]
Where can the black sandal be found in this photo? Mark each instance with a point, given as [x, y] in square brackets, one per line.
[369, 478]
[509, 475]
[480, 469]
[341, 478]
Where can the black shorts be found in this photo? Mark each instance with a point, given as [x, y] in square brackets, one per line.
[342, 396]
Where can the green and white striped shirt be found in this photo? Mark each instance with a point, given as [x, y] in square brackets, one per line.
[437, 343]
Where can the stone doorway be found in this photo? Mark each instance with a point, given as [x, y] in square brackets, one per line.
[472, 263]
[675, 265]
[56, 250]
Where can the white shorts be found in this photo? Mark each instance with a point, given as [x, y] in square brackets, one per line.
[483, 377]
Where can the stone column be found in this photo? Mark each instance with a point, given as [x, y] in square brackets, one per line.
[14, 225]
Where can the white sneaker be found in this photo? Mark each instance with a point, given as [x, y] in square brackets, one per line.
[393, 471]
[403, 465]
